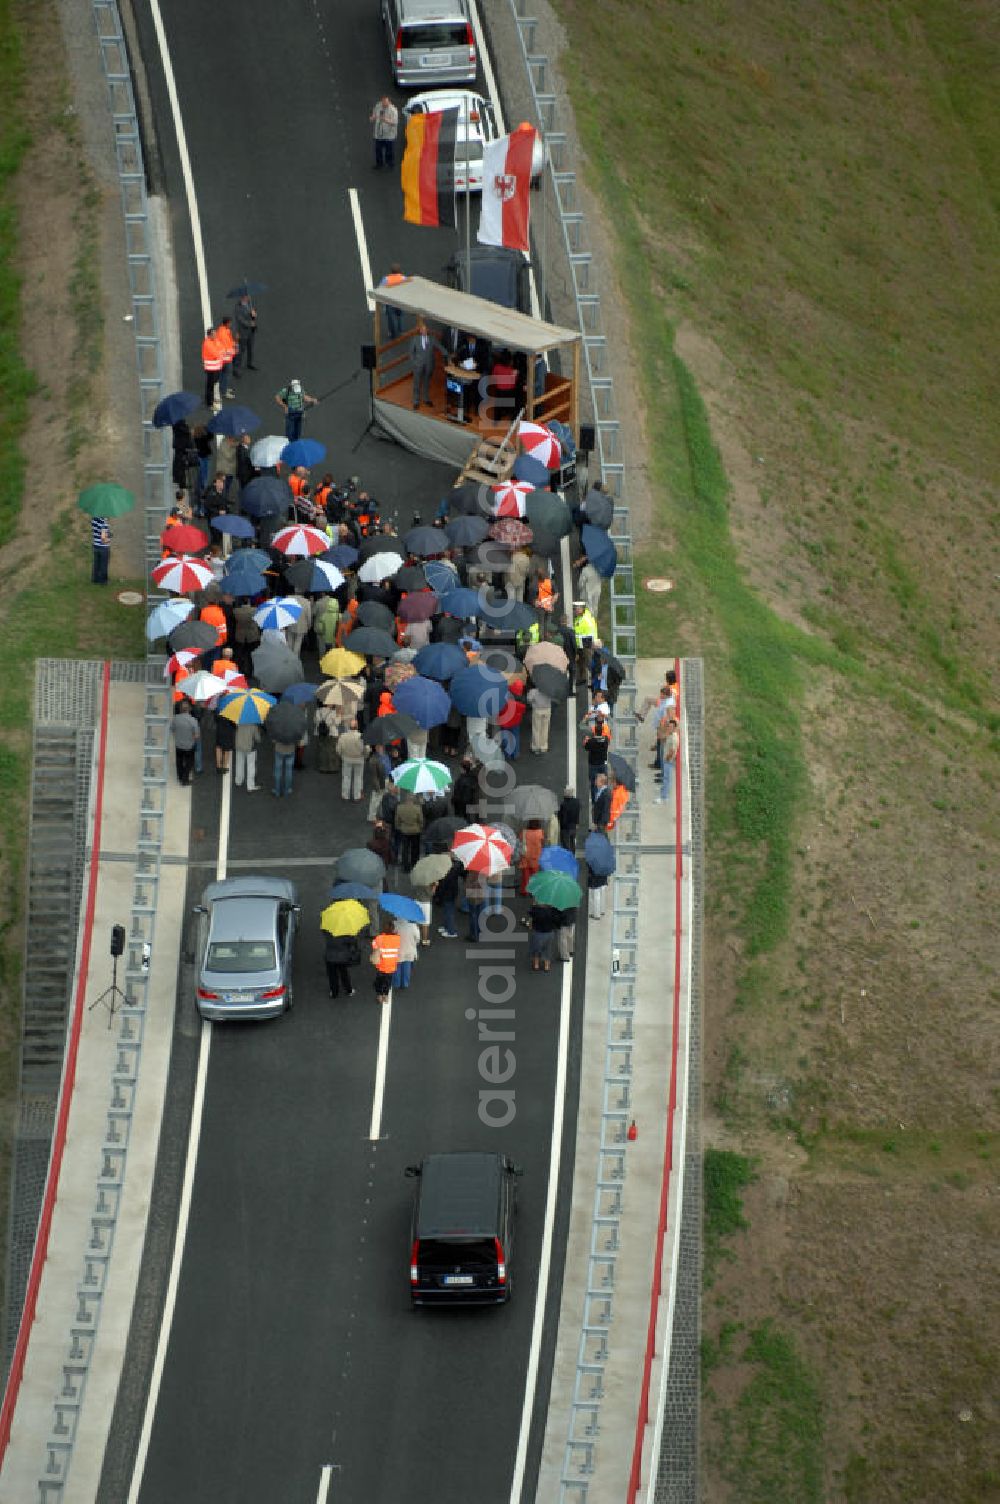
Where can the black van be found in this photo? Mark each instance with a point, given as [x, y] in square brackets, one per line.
[463, 1229]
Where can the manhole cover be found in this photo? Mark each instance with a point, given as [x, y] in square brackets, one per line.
[130, 598]
[659, 585]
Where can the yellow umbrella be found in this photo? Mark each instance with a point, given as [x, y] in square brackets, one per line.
[338, 663]
[346, 917]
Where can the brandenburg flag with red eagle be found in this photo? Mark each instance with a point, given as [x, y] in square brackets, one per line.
[428, 172]
[506, 190]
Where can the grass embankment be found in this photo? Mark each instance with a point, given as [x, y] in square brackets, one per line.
[806, 220]
[49, 449]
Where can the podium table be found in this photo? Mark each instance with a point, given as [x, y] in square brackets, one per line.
[457, 382]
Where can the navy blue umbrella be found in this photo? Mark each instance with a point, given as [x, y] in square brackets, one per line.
[623, 771]
[462, 603]
[440, 575]
[233, 421]
[342, 554]
[479, 691]
[424, 699]
[248, 558]
[599, 854]
[498, 610]
[599, 549]
[266, 496]
[243, 582]
[466, 532]
[234, 525]
[359, 891]
[527, 468]
[170, 410]
[425, 542]
[251, 288]
[558, 859]
[440, 660]
[300, 694]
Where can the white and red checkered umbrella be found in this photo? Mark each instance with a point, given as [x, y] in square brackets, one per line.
[300, 541]
[182, 575]
[542, 445]
[510, 499]
[178, 662]
[481, 848]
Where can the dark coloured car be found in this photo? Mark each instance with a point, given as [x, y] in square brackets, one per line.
[463, 1229]
[499, 274]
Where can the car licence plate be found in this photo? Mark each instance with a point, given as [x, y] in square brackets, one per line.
[458, 1279]
[239, 997]
[435, 60]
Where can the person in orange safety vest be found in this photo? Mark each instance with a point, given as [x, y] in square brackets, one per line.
[213, 358]
[386, 949]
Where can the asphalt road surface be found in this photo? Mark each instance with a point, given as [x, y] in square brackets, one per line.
[292, 1347]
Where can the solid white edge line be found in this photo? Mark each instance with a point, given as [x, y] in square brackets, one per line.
[182, 148]
[359, 235]
[326, 1473]
[375, 1127]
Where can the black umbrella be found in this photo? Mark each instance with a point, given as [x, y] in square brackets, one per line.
[466, 532]
[425, 542]
[286, 722]
[379, 543]
[598, 508]
[389, 728]
[372, 614]
[192, 634]
[622, 770]
[547, 513]
[252, 288]
[304, 577]
[370, 642]
[496, 658]
[266, 496]
[410, 577]
[468, 500]
[491, 556]
[551, 681]
[441, 831]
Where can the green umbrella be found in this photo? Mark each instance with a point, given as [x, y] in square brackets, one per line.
[422, 776]
[557, 889]
[548, 513]
[105, 500]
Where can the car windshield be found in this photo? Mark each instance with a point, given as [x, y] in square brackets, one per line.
[442, 34]
[240, 955]
[473, 1254]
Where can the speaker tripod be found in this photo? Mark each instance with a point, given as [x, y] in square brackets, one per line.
[112, 997]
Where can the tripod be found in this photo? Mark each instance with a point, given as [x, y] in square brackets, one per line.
[112, 997]
[371, 426]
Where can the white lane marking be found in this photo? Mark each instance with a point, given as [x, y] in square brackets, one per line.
[326, 1473]
[375, 1128]
[541, 1294]
[182, 148]
[484, 58]
[359, 235]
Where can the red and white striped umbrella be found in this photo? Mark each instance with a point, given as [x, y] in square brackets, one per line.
[178, 662]
[233, 679]
[182, 575]
[511, 498]
[300, 541]
[541, 444]
[481, 848]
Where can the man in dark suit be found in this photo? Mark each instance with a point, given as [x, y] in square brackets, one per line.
[422, 348]
[600, 804]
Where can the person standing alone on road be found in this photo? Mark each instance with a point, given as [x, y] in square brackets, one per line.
[293, 401]
[245, 317]
[385, 123]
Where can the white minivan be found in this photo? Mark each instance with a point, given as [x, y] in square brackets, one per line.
[431, 42]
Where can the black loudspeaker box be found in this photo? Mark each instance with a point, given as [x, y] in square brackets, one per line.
[118, 940]
[368, 357]
[587, 439]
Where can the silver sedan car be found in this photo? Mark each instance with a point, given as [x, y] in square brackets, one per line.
[246, 942]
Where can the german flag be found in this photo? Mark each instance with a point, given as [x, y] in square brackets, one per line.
[428, 173]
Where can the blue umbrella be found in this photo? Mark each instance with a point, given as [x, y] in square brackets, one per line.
[599, 853]
[425, 542]
[558, 859]
[462, 602]
[252, 288]
[266, 496]
[234, 525]
[479, 691]
[425, 700]
[466, 532]
[440, 576]
[342, 554]
[352, 890]
[233, 421]
[243, 582]
[527, 468]
[440, 660]
[166, 617]
[401, 907]
[306, 452]
[599, 549]
[275, 615]
[300, 694]
[248, 558]
[172, 409]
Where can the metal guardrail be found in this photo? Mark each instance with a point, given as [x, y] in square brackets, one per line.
[597, 1317]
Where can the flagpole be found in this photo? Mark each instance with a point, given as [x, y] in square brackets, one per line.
[468, 197]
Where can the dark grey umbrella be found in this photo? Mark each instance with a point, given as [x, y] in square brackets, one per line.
[275, 666]
[491, 555]
[374, 614]
[410, 577]
[622, 770]
[192, 634]
[529, 801]
[551, 681]
[441, 830]
[469, 500]
[286, 722]
[379, 543]
[389, 728]
[359, 865]
[498, 610]
[370, 642]
[598, 508]
[466, 532]
[547, 513]
[426, 542]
